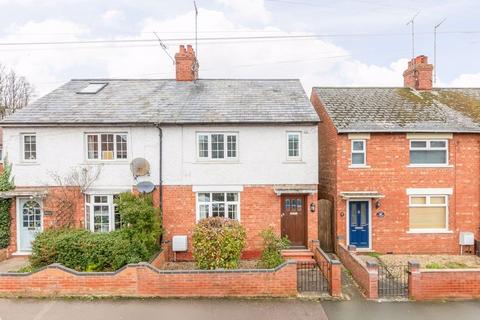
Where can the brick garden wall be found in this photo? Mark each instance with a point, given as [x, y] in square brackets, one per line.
[443, 284]
[144, 280]
[365, 276]
[331, 269]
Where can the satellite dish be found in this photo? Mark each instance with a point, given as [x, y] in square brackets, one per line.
[145, 186]
[140, 167]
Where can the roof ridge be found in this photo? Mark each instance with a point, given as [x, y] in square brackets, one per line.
[171, 79]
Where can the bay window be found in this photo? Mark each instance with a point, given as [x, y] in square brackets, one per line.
[101, 213]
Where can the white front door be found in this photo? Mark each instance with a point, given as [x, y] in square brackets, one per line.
[29, 222]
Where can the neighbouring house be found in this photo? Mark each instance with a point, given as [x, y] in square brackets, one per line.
[401, 166]
[238, 148]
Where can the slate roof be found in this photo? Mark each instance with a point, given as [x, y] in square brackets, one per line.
[144, 101]
[402, 109]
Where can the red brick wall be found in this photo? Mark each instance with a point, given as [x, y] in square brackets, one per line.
[331, 269]
[443, 284]
[259, 210]
[144, 280]
[366, 277]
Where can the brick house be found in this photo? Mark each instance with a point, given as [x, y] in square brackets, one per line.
[401, 166]
[243, 149]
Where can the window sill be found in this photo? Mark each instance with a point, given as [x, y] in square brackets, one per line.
[420, 231]
[217, 162]
[363, 166]
[27, 164]
[115, 162]
[429, 166]
[293, 162]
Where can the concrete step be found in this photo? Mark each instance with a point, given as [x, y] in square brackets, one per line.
[298, 254]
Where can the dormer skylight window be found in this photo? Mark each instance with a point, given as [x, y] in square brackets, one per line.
[93, 87]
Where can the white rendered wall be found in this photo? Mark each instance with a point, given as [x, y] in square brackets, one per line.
[262, 157]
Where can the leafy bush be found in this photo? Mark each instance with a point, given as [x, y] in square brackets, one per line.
[218, 243]
[272, 247]
[85, 251]
[6, 183]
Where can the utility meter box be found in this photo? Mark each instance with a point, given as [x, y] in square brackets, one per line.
[467, 239]
[179, 243]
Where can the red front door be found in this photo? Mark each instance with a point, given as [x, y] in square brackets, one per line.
[293, 219]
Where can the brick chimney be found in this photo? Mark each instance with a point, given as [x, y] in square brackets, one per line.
[418, 74]
[186, 64]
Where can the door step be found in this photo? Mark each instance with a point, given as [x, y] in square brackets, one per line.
[298, 254]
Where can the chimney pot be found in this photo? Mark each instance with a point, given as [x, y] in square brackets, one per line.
[186, 64]
[419, 73]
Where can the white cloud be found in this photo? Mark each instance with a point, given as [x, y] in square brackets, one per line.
[247, 10]
[113, 16]
[466, 80]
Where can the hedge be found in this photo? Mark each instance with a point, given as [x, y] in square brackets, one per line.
[6, 184]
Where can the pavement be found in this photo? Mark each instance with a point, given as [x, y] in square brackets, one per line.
[13, 264]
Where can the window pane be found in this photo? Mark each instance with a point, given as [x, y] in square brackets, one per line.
[427, 218]
[204, 197]
[418, 200]
[231, 196]
[92, 145]
[357, 145]
[218, 210]
[203, 146]
[438, 144]
[287, 204]
[100, 199]
[232, 211]
[107, 146]
[358, 158]
[121, 146]
[216, 196]
[203, 211]
[428, 157]
[101, 219]
[437, 200]
[218, 148]
[418, 144]
[293, 145]
[231, 146]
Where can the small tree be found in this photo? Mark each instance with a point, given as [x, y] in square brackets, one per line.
[6, 184]
[218, 243]
[15, 92]
[272, 247]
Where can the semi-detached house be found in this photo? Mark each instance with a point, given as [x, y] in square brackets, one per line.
[401, 166]
[242, 149]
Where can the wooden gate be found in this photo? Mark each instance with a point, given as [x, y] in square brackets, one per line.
[325, 224]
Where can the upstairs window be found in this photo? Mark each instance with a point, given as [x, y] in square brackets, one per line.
[218, 204]
[217, 146]
[29, 144]
[294, 145]
[107, 146]
[429, 152]
[359, 156]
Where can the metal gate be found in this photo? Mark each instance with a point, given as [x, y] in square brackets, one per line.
[310, 277]
[392, 281]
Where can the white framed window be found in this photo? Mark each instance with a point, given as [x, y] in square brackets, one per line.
[218, 204]
[107, 146]
[359, 154]
[428, 213]
[428, 152]
[29, 147]
[217, 145]
[101, 213]
[294, 146]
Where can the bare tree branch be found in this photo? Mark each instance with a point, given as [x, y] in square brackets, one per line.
[15, 92]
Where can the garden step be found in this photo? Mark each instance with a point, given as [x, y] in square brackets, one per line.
[298, 255]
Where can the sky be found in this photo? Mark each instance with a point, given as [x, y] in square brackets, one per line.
[350, 43]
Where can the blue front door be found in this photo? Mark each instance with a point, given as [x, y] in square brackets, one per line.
[359, 224]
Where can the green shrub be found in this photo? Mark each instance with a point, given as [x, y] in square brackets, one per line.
[85, 251]
[218, 243]
[6, 183]
[272, 247]
[434, 265]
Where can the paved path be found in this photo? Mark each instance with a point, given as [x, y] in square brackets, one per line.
[175, 309]
[13, 264]
[360, 309]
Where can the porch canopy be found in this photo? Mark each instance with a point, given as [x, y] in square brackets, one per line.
[294, 189]
[347, 195]
[24, 192]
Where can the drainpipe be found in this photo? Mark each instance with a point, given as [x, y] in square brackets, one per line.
[160, 177]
